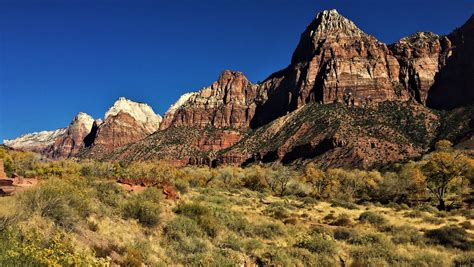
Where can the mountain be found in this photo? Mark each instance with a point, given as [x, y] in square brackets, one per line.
[125, 122]
[454, 84]
[39, 142]
[345, 99]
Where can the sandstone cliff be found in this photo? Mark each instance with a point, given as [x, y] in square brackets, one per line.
[229, 102]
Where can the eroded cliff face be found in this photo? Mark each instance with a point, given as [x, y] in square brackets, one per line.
[39, 142]
[334, 61]
[454, 83]
[230, 102]
[421, 56]
[125, 122]
[72, 141]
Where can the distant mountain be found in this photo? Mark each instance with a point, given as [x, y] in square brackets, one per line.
[346, 99]
[125, 122]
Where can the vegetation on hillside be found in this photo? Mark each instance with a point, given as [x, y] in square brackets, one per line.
[412, 214]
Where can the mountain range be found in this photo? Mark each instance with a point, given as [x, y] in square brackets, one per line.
[345, 99]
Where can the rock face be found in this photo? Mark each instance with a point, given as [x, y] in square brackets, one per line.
[71, 142]
[421, 56]
[454, 84]
[334, 61]
[39, 142]
[125, 122]
[230, 102]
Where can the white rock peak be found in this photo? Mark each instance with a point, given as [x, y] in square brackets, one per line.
[141, 112]
[33, 139]
[83, 119]
[181, 101]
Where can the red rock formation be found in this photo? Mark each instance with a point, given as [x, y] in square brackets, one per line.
[125, 122]
[230, 102]
[421, 56]
[334, 62]
[72, 141]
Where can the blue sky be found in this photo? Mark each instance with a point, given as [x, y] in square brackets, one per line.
[59, 57]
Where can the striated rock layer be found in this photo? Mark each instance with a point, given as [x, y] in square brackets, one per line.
[229, 102]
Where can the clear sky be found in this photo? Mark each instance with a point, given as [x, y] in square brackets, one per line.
[59, 57]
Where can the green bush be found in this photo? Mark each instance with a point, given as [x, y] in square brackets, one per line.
[144, 207]
[66, 203]
[317, 244]
[372, 218]
[268, 230]
[185, 236]
[465, 259]
[202, 215]
[110, 193]
[451, 236]
[342, 220]
[342, 233]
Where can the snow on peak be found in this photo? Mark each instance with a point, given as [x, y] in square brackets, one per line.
[139, 111]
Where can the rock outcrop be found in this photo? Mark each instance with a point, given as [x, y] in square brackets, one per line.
[230, 102]
[40, 142]
[421, 56]
[334, 61]
[125, 122]
[71, 142]
[454, 83]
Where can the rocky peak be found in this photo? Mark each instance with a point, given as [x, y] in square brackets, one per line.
[328, 26]
[72, 141]
[229, 102]
[37, 141]
[329, 21]
[82, 120]
[141, 112]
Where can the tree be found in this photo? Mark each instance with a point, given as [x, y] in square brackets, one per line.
[321, 183]
[445, 173]
[278, 178]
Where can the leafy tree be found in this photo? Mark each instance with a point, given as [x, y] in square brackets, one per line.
[445, 173]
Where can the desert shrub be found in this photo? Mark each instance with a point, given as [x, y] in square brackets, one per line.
[184, 236]
[367, 239]
[64, 202]
[110, 193]
[181, 186]
[451, 236]
[342, 220]
[377, 255]
[344, 204]
[372, 218]
[202, 215]
[465, 259]
[414, 214]
[33, 249]
[268, 230]
[318, 244]
[277, 211]
[144, 207]
[343, 233]
[428, 259]
[407, 235]
[233, 242]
